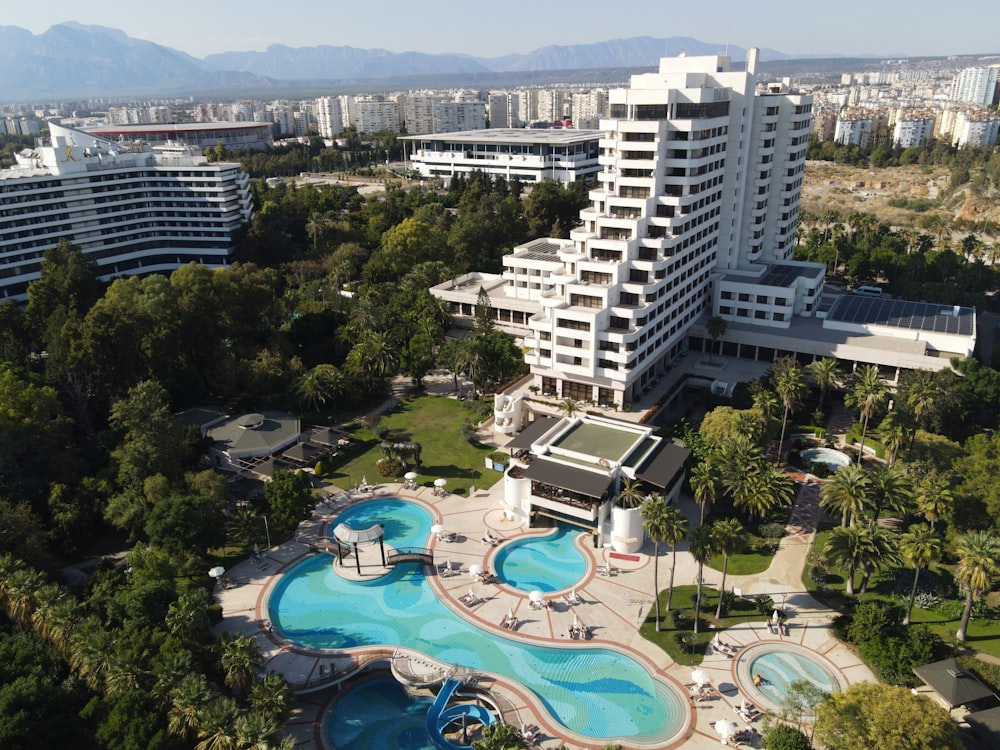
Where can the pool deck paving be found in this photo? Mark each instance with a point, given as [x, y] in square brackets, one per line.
[611, 607]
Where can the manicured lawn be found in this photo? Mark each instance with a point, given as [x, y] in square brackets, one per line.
[983, 634]
[743, 563]
[435, 423]
[676, 637]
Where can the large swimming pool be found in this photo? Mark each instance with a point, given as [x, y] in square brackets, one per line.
[547, 563]
[379, 713]
[596, 692]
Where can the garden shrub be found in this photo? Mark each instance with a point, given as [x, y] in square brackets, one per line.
[785, 737]
[985, 671]
[390, 467]
[765, 604]
[869, 619]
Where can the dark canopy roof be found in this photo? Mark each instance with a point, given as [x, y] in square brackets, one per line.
[986, 724]
[531, 433]
[661, 468]
[590, 483]
[956, 686]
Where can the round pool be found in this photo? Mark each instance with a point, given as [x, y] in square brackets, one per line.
[834, 459]
[379, 713]
[597, 692]
[781, 664]
[546, 563]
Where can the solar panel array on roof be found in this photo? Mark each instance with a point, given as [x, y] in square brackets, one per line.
[782, 274]
[894, 313]
[541, 251]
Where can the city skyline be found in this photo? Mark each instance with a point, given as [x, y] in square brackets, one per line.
[453, 26]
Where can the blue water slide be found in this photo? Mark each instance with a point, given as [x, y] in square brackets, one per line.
[438, 717]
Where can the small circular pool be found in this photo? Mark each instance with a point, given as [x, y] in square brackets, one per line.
[834, 459]
[545, 563]
[779, 665]
[379, 713]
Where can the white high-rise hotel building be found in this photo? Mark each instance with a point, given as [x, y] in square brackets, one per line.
[699, 196]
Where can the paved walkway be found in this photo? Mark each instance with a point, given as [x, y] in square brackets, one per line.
[612, 607]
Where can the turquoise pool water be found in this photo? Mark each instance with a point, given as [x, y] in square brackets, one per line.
[596, 692]
[832, 458]
[547, 563]
[781, 668]
[379, 713]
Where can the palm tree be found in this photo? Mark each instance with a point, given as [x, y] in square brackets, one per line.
[845, 493]
[499, 736]
[705, 482]
[884, 554]
[790, 384]
[933, 498]
[716, 329]
[889, 489]
[729, 537]
[188, 700]
[273, 697]
[48, 598]
[849, 548]
[702, 548]
[894, 430]
[675, 527]
[255, 731]
[631, 494]
[372, 356]
[20, 594]
[921, 395]
[90, 650]
[866, 395]
[244, 525]
[656, 523]
[241, 660]
[920, 546]
[759, 487]
[766, 402]
[569, 407]
[319, 386]
[218, 725]
[978, 565]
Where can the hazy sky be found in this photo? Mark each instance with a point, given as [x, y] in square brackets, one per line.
[915, 27]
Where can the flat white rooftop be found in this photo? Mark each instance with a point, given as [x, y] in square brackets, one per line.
[550, 136]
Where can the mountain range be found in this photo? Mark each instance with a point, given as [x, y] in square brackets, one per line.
[72, 60]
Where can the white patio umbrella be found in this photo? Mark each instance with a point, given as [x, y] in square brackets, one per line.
[256, 549]
[726, 729]
[472, 593]
[364, 479]
[775, 617]
[437, 528]
[510, 613]
[447, 564]
[536, 596]
[440, 482]
[576, 622]
[700, 677]
[410, 475]
[475, 570]
[217, 572]
[744, 706]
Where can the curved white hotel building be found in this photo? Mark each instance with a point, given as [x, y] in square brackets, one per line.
[134, 209]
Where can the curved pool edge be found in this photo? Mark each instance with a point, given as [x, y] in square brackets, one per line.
[743, 679]
[684, 718]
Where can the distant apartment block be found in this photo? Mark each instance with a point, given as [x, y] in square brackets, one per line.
[854, 129]
[374, 116]
[913, 129]
[329, 118]
[530, 155]
[503, 109]
[589, 108]
[134, 209]
[976, 128]
[976, 86]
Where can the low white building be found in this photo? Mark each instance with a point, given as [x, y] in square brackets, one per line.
[530, 155]
[572, 469]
